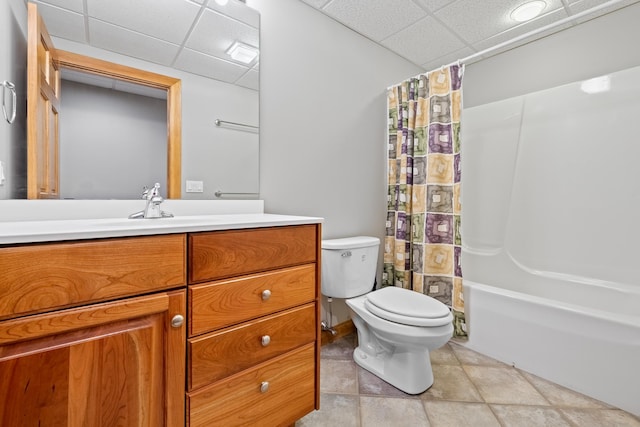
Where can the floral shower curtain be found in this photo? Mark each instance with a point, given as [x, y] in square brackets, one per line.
[423, 243]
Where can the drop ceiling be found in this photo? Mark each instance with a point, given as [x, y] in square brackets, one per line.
[432, 33]
[189, 35]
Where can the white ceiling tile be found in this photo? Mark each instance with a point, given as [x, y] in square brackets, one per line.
[433, 5]
[120, 40]
[208, 66]
[447, 59]
[238, 10]
[582, 5]
[425, 40]
[168, 20]
[316, 3]
[250, 80]
[477, 20]
[523, 28]
[377, 20]
[215, 33]
[63, 23]
[74, 5]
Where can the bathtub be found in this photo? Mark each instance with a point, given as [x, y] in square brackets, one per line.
[585, 349]
[550, 235]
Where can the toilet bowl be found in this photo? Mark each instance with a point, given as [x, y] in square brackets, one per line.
[397, 328]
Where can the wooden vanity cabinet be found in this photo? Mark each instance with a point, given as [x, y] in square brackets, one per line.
[253, 347]
[101, 345]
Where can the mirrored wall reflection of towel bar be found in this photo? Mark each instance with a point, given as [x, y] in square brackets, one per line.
[219, 122]
[222, 193]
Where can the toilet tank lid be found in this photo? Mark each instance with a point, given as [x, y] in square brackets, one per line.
[350, 242]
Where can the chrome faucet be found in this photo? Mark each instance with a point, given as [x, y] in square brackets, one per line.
[152, 208]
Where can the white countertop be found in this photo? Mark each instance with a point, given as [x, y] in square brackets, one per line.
[73, 229]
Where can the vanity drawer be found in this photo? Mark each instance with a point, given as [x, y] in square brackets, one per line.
[271, 394]
[226, 352]
[227, 302]
[220, 254]
[40, 277]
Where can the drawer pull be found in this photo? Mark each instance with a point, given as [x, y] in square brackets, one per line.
[266, 294]
[264, 387]
[177, 321]
[266, 339]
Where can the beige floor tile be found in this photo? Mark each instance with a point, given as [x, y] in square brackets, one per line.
[561, 396]
[451, 383]
[387, 411]
[470, 357]
[456, 414]
[338, 376]
[370, 384]
[521, 416]
[601, 417]
[335, 410]
[339, 349]
[504, 385]
[444, 356]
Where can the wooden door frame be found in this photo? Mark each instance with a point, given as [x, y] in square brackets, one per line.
[173, 87]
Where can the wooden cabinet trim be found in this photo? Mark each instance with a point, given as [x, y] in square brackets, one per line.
[227, 302]
[43, 277]
[222, 254]
[210, 354]
[238, 401]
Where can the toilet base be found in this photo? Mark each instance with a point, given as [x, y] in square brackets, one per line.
[408, 371]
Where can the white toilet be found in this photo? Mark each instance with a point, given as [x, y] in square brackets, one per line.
[396, 327]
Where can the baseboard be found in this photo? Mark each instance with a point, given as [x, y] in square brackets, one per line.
[342, 329]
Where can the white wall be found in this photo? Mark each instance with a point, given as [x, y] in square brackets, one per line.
[13, 68]
[322, 120]
[600, 46]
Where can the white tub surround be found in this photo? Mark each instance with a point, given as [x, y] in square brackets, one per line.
[550, 237]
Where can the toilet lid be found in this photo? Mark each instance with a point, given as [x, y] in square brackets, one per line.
[407, 307]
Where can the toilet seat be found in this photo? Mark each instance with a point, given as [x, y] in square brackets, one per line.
[407, 307]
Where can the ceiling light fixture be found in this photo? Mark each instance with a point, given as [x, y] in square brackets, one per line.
[242, 52]
[222, 2]
[528, 11]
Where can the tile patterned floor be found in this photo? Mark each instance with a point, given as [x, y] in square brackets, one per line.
[470, 389]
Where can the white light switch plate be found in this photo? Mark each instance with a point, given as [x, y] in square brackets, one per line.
[195, 186]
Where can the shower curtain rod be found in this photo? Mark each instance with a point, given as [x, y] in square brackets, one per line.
[470, 58]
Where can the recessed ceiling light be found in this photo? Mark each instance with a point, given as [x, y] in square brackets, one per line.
[596, 85]
[528, 11]
[242, 53]
[222, 2]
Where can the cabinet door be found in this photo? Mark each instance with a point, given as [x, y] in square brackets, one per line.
[43, 106]
[110, 364]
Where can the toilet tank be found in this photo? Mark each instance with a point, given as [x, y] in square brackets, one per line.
[349, 266]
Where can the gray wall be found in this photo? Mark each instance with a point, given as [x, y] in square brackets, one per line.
[114, 143]
[323, 120]
[323, 105]
[13, 68]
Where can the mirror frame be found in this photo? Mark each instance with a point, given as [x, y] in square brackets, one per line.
[173, 87]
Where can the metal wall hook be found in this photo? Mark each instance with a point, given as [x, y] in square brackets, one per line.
[12, 88]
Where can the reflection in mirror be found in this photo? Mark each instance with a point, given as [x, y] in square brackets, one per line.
[193, 47]
[119, 121]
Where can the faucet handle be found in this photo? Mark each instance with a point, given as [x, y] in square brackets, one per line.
[148, 193]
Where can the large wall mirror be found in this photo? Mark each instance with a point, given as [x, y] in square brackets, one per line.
[211, 49]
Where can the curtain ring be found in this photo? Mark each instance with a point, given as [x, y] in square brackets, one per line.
[12, 88]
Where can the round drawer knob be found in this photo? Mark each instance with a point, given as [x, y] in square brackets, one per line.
[266, 294]
[177, 321]
[264, 387]
[266, 339]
